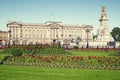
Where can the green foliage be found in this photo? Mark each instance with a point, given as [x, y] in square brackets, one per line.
[116, 31]
[78, 39]
[4, 59]
[67, 61]
[7, 50]
[115, 53]
[75, 47]
[16, 52]
[94, 36]
[44, 49]
[2, 55]
[59, 46]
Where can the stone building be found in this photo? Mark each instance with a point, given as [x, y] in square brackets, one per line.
[3, 38]
[48, 33]
[52, 32]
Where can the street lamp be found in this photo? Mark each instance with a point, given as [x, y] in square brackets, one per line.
[9, 32]
[61, 42]
[70, 38]
[87, 31]
[53, 35]
[44, 39]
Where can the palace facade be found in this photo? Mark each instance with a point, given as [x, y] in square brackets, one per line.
[3, 38]
[52, 32]
[48, 33]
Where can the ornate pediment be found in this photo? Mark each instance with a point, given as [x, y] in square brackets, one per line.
[53, 24]
[14, 23]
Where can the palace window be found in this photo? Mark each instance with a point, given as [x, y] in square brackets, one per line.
[29, 35]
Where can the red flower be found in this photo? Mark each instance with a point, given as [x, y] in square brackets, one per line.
[89, 57]
[47, 59]
[100, 60]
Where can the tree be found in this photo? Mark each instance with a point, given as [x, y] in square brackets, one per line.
[116, 33]
[78, 39]
[94, 36]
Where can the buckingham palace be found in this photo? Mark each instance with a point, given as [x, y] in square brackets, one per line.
[52, 32]
[48, 33]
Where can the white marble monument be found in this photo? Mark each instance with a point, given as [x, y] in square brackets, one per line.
[103, 33]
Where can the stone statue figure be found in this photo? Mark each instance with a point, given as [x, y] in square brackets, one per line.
[103, 12]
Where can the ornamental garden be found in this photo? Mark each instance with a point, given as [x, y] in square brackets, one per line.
[57, 57]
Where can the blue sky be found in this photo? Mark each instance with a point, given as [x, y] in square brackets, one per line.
[67, 11]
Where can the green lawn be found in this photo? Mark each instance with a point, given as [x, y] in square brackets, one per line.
[3, 54]
[12, 72]
[90, 53]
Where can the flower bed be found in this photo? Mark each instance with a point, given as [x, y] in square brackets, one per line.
[66, 61]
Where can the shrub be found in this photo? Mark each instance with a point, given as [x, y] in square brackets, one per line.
[59, 44]
[4, 59]
[115, 53]
[16, 52]
[75, 47]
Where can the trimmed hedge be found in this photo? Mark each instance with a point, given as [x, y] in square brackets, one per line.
[16, 52]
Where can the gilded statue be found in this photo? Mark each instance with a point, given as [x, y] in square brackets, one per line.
[103, 12]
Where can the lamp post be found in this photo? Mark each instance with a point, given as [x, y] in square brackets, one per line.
[44, 39]
[87, 31]
[70, 38]
[54, 29]
[9, 32]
